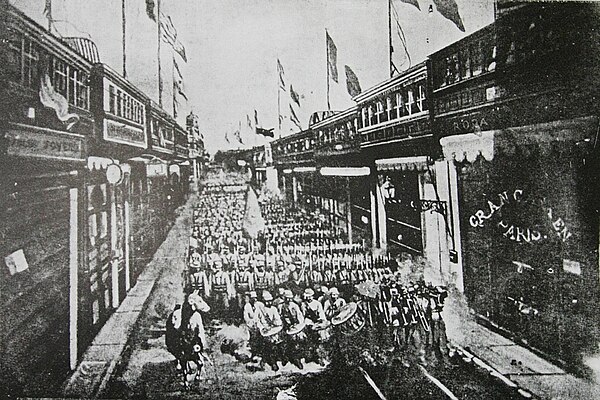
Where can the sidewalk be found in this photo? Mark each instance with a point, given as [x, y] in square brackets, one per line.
[99, 361]
[509, 362]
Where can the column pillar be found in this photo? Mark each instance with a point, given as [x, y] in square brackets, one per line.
[73, 275]
[295, 188]
[114, 262]
[348, 210]
[373, 219]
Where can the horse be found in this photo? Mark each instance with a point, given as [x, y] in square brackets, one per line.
[185, 337]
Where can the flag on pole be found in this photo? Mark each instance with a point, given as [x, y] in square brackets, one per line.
[178, 81]
[265, 132]
[294, 96]
[169, 35]
[412, 2]
[248, 121]
[175, 102]
[48, 9]
[149, 9]
[281, 74]
[238, 136]
[449, 10]
[294, 118]
[331, 58]
[227, 137]
[352, 83]
[255, 118]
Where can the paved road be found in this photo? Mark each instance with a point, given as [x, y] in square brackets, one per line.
[147, 369]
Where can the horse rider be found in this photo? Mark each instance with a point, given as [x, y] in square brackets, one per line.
[186, 329]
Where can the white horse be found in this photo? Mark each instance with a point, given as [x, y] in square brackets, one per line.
[186, 338]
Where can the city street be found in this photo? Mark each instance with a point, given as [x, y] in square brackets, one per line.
[300, 199]
[147, 369]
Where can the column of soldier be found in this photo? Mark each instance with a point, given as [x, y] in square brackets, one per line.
[298, 286]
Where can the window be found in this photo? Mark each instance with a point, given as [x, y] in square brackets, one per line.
[118, 105]
[388, 108]
[72, 85]
[60, 77]
[125, 106]
[15, 61]
[364, 117]
[371, 116]
[31, 58]
[83, 93]
[379, 113]
[399, 105]
[410, 101]
[421, 104]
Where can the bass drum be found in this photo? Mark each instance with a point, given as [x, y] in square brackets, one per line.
[296, 332]
[350, 319]
[323, 332]
[273, 336]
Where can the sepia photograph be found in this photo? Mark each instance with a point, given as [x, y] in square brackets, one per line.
[300, 199]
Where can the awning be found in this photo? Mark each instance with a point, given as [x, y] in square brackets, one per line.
[467, 147]
[419, 163]
[345, 171]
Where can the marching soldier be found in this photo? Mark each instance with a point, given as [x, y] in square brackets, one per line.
[314, 318]
[261, 278]
[199, 281]
[270, 319]
[334, 304]
[220, 289]
[311, 309]
[244, 283]
[293, 319]
[252, 314]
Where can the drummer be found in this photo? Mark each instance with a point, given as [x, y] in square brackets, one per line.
[252, 311]
[293, 320]
[334, 304]
[270, 320]
[311, 309]
[314, 318]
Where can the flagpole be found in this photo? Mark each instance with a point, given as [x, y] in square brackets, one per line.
[391, 48]
[48, 11]
[278, 98]
[160, 83]
[124, 39]
[327, 64]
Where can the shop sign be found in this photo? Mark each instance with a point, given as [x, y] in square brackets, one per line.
[122, 133]
[513, 230]
[16, 262]
[572, 267]
[45, 144]
[156, 169]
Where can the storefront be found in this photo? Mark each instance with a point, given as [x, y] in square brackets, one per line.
[513, 117]
[529, 230]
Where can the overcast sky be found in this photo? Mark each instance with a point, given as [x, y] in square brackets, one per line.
[232, 48]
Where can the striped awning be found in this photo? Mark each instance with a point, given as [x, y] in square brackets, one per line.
[84, 47]
[418, 163]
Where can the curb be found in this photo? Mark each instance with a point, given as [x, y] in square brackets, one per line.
[482, 365]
